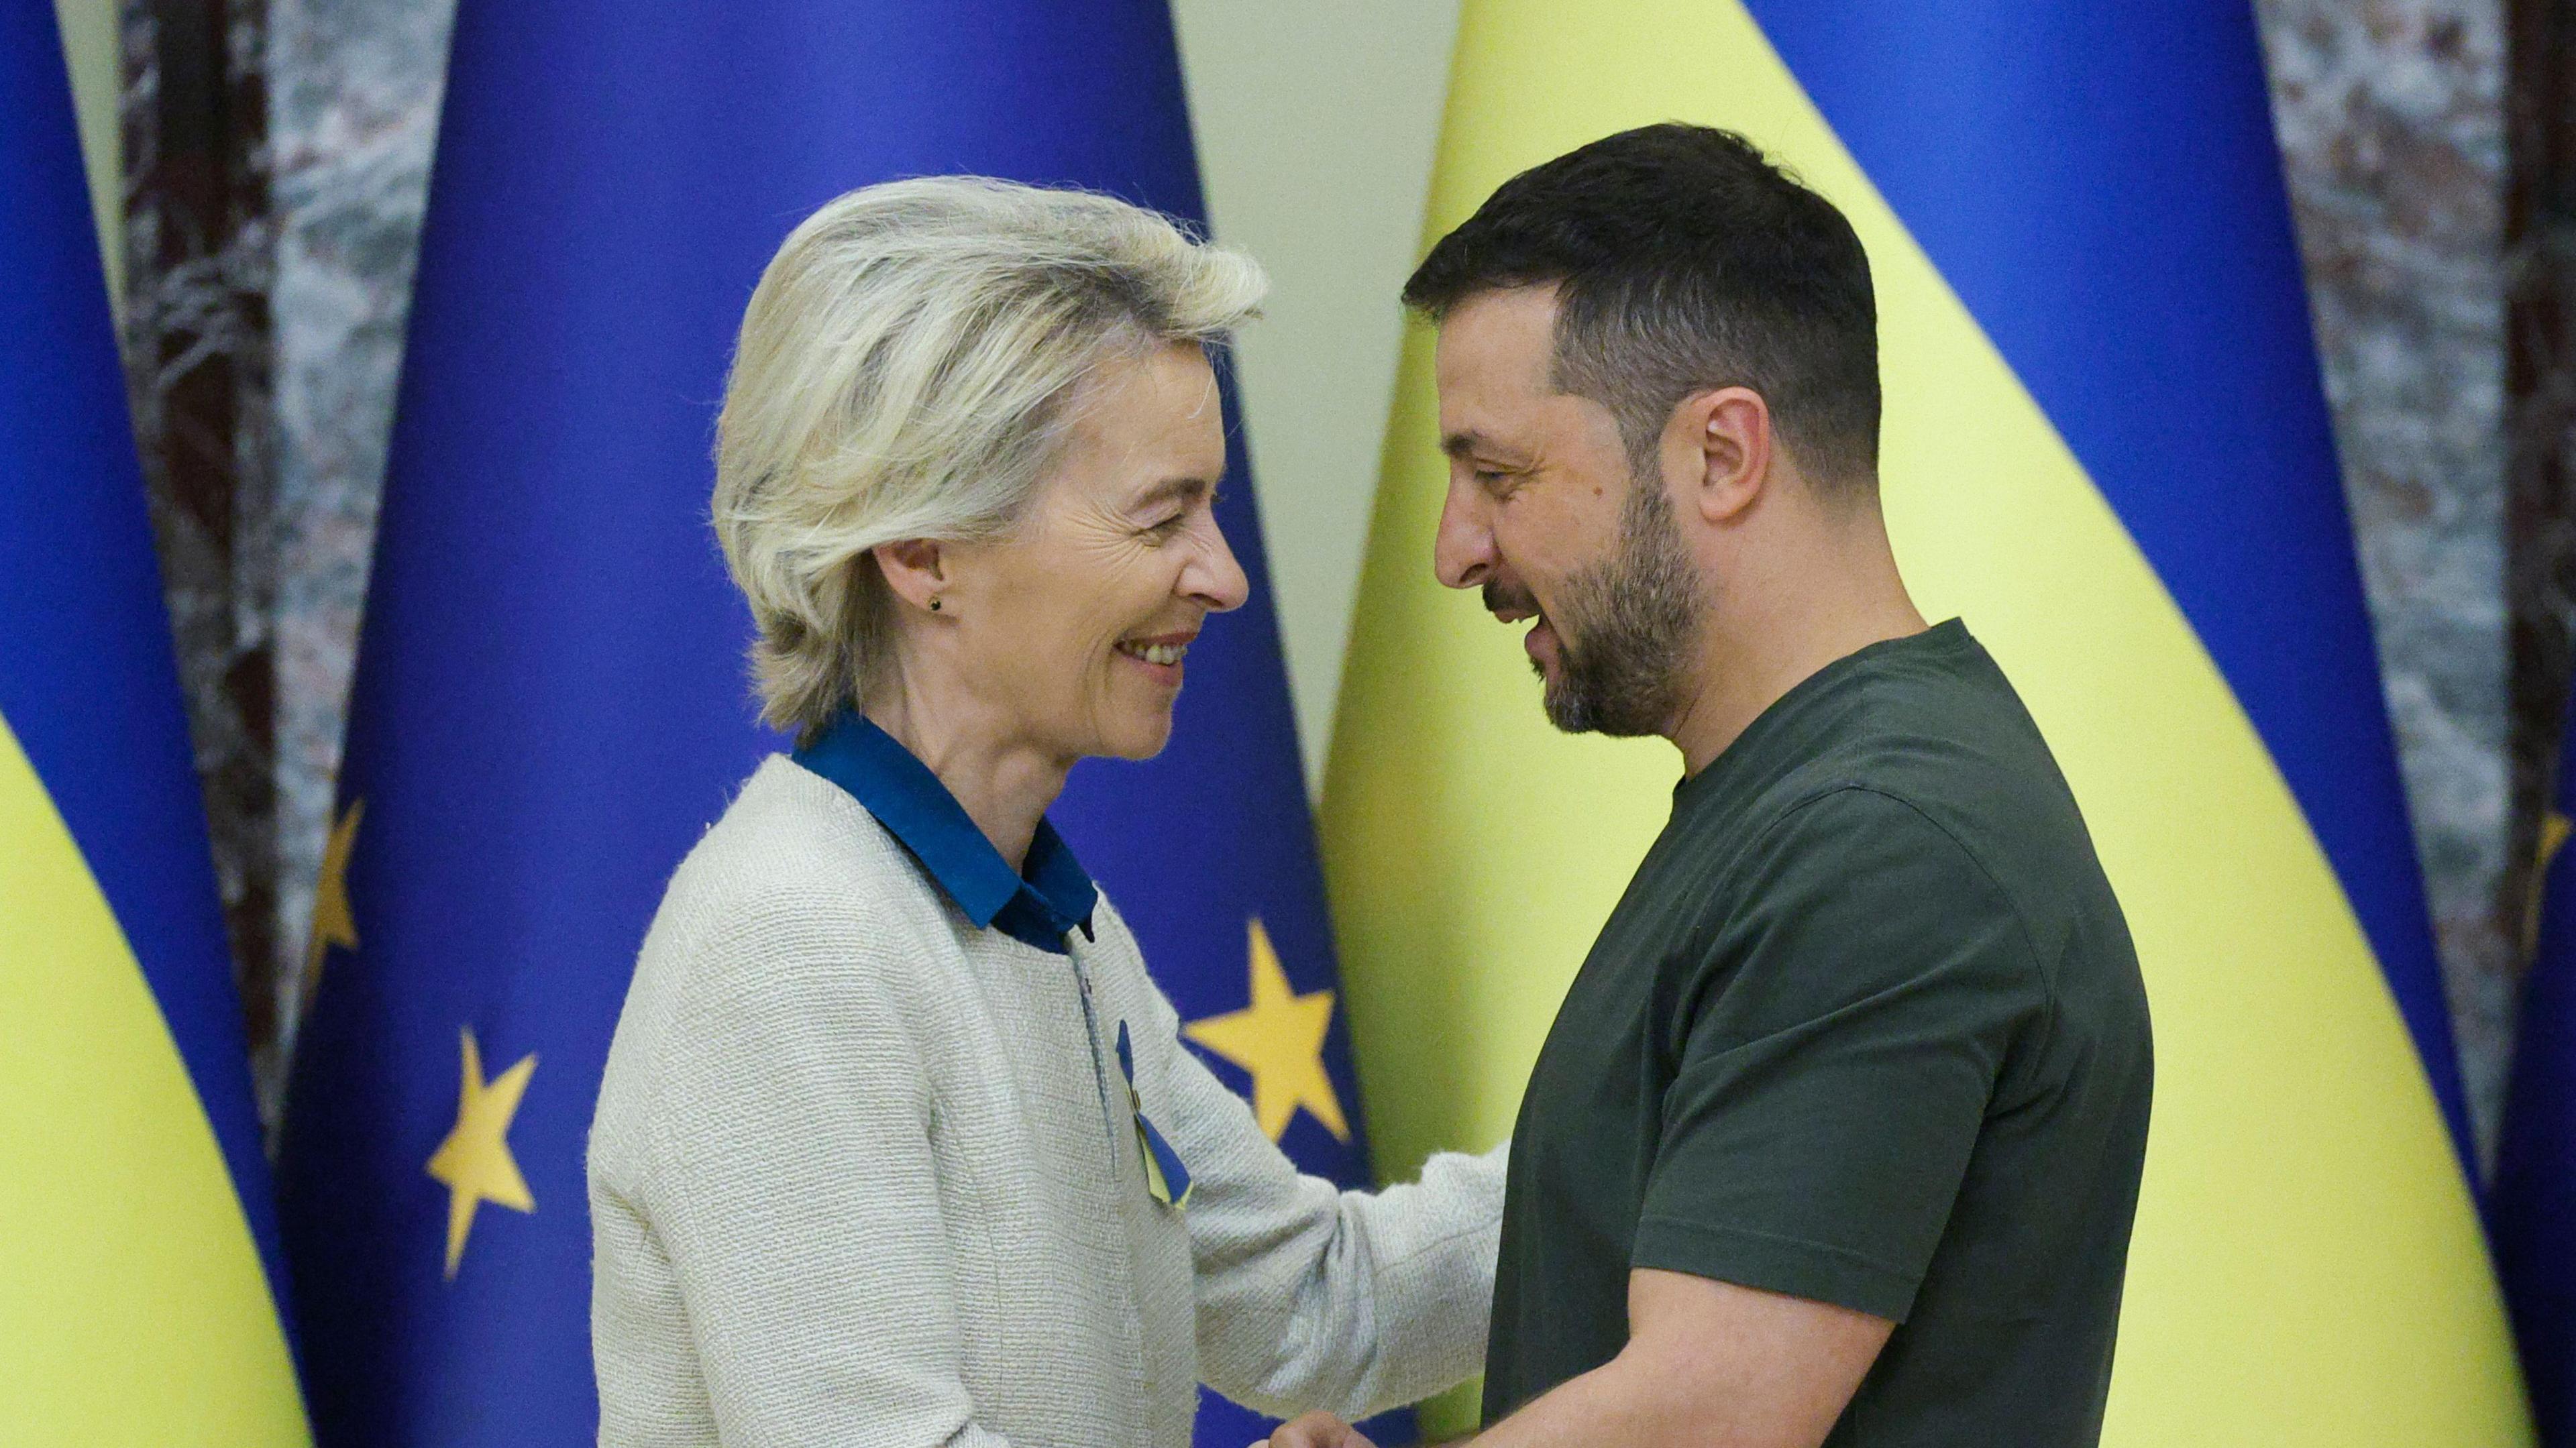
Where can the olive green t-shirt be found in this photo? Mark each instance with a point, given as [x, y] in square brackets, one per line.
[1867, 1029]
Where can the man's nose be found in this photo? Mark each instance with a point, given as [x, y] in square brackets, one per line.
[1462, 555]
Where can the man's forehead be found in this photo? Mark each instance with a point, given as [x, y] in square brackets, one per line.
[1512, 326]
[1495, 363]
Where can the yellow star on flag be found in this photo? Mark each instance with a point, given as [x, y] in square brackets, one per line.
[333, 924]
[2554, 829]
[474, 1162]
[1279, 1039]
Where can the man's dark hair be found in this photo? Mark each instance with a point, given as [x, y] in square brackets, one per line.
[1685, 261]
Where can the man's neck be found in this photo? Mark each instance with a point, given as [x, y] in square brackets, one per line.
[1766, 636]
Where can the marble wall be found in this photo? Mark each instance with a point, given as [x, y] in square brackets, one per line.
[353, 113]
[196, 336]
[2391, 121]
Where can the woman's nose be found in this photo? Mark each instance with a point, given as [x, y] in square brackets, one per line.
[1215, 578]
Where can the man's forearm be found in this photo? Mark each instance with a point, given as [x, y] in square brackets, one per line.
[1707, 1363]
[1601, 1409]
[1616, 1405]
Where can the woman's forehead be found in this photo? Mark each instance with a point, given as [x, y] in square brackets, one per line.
[1150, 419]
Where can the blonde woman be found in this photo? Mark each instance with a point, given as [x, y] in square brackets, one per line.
[897, 1143]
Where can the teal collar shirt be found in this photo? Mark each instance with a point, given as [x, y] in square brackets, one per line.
[1040, 904]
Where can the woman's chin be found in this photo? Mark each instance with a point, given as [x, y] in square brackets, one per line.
[1138, 739]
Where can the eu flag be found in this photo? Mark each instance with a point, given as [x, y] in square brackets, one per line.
[550, 702]
[2532, 1206]
[136, 1303]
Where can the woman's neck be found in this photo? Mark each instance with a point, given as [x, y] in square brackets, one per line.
[1004, 786]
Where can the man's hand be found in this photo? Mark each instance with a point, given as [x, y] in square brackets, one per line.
[1317, 1430]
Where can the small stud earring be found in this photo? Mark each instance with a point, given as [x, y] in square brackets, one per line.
[934, 604]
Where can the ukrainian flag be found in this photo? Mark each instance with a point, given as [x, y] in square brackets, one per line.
[2106, 448]
[136, 1302]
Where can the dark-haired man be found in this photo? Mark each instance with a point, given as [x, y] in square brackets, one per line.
[1836, 1138]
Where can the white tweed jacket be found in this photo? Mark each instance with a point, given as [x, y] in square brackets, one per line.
[864, 1174]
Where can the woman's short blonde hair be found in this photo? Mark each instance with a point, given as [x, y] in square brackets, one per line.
[904, 371]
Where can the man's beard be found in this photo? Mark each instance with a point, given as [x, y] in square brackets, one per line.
[1627, 627]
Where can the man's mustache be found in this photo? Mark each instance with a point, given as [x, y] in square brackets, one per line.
[1500, 597]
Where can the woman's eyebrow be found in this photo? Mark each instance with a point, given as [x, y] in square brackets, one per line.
[1175, 489]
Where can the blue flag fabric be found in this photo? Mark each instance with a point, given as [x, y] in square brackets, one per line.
[2532, 1203]
[550, 703]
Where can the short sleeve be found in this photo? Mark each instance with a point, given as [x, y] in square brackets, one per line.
[1839, 1042]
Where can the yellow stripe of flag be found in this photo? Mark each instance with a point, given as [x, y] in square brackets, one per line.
[133, 1308]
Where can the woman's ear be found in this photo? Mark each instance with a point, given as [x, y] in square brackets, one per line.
[915, 569]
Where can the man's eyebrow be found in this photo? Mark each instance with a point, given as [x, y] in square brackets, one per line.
[1470, 442]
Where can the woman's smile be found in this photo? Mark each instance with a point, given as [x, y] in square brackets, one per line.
[1158, 656]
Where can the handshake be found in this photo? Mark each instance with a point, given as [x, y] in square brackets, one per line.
[1316, 1430]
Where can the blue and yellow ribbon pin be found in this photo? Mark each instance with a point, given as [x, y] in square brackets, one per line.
[1166, 1179]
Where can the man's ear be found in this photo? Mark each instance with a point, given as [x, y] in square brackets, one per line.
[915, 569]
[1717, 451]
